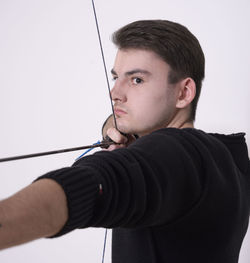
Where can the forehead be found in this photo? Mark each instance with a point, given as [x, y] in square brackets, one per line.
[129, 59]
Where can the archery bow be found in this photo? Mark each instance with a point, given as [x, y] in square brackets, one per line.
[104, 144]
[106, 74]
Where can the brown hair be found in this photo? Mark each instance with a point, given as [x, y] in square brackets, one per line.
[174, 43]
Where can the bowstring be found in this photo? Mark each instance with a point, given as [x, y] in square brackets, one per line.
[103, 60]
[110, 97]
[104, 246]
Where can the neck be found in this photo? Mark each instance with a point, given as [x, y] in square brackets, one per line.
[185, 125]
[180, 120]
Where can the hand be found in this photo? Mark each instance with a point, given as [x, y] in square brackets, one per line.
[121, 140]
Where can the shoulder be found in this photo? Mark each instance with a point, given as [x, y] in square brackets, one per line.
[170, 138]
[169, 145]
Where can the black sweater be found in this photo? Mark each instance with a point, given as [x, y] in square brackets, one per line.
[174, 196]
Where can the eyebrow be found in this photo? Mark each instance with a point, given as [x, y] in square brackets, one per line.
[131, 72]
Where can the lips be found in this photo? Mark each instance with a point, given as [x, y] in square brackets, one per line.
[119, 111]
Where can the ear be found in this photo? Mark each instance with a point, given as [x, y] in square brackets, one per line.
[186, 94]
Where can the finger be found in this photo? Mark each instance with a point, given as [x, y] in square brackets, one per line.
[114, 147]
[116, 136]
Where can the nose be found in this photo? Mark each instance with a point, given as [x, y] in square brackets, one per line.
[118, 92]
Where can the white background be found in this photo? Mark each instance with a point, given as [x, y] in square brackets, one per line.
[54, 94]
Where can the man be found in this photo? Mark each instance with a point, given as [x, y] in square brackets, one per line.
[176, 194]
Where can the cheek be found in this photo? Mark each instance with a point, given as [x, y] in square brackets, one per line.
[149, 108]
[157, 108]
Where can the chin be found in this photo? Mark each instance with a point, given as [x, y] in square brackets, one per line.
[125, 129]
[132, 129]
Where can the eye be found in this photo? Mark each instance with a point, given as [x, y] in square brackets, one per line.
[137, 80]
[114, 78]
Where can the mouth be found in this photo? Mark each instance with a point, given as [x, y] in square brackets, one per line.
[119, 111]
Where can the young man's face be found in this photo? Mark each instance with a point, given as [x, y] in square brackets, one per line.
[143, 99]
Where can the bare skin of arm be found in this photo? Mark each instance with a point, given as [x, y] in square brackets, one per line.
[39, 210]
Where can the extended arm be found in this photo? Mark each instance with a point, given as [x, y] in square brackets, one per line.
[151, 182]
[38, 210]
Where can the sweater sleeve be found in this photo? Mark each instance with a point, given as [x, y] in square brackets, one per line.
[154, 181]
